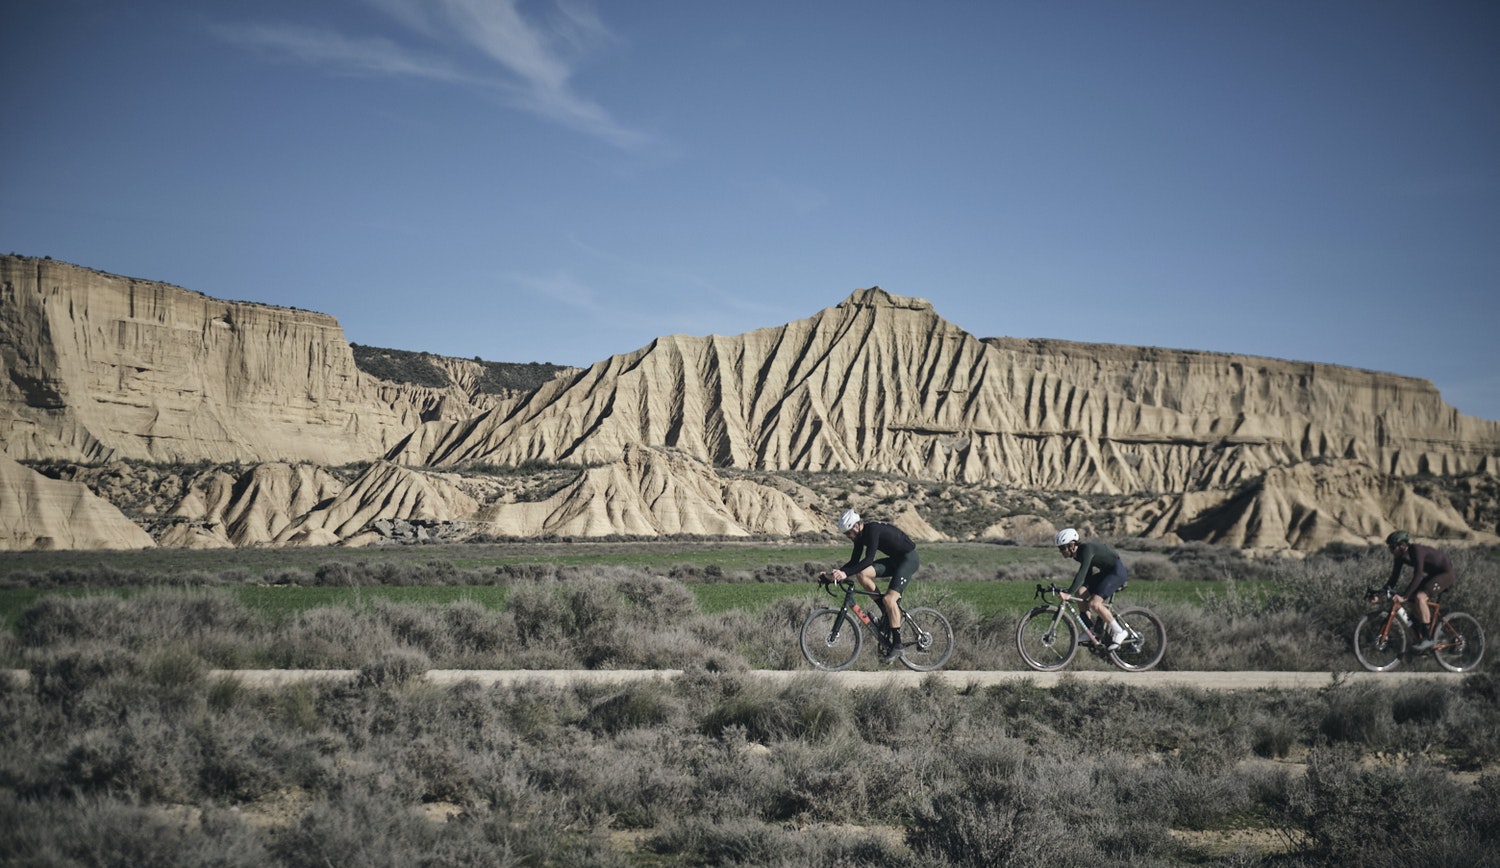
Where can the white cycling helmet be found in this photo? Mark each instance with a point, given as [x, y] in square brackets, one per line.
[847, 521]
[1065, 536]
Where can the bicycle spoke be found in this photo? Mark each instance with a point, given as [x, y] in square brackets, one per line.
[1460, 642]
[1377, 649]
[1147, 642]
[830, 639]
[928, 639]
[1046, 641]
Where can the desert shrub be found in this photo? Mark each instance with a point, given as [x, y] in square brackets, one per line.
[744, 841]
[1152, 567]
[1359, 714]
[1347, 810]
[394, 668]
[642, 704]
[69, 674]
[1006, 820]
[801, 709]
[1037, 572]
[354, 826]
[1230, 637]
[1273, 735]
[333, 637]
[211, 625]
[59, 620]
[115, 832]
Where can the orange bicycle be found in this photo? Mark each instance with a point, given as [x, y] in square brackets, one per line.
[1382, 636]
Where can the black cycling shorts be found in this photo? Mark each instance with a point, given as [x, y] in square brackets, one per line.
[1106, 584]
[899, 568]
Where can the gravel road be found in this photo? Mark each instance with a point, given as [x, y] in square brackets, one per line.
[957, 679]
[897, 677]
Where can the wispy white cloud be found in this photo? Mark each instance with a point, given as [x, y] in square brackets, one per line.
[342, 54]
[531, 61]
[560, 287]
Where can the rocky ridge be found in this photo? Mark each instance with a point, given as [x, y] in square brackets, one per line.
[694, 435]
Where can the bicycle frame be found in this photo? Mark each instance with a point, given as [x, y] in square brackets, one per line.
[871, 622]
[1047, 636]
[1070, 609]
[1393, 618]
[831, 639]
[1381, 643]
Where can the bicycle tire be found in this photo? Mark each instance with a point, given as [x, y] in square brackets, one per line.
[1460, 642]
[1147, 643]
[1374, 654]
[1044, 647]
[927, 639]
[827, 648]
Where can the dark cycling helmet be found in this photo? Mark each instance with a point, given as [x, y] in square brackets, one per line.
[1398, 537]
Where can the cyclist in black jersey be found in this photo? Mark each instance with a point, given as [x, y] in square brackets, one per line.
[900, 564]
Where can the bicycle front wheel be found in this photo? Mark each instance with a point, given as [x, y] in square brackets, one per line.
[1146, 644]
[1047, 642]
[1460, 643]
[830, 639]
[927, 639]
[1375, 652]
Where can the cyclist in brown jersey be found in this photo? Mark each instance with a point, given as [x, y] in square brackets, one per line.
[1432, 573]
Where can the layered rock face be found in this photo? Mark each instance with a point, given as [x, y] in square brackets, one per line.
[1235, 450]
[101, 367]
[880, 382]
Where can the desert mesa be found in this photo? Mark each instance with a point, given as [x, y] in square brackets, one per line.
[135, 414]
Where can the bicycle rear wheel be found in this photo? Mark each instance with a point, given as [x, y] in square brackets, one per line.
[830, 639]
[1146, 644]
[1047, 643]
[1374, 652]
[1460, 642]
[927, 639]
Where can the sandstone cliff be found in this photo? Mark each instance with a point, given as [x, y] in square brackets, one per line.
[881, 382]
[1237, 450]
[102, 367]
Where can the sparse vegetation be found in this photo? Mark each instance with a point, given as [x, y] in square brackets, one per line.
[422, 369]
[123, 749]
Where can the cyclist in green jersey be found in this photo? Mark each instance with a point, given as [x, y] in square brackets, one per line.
[1101, 573]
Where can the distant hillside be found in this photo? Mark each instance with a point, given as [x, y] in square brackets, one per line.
[435, 372]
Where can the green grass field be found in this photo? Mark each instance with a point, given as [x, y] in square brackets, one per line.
[277, 602]
[724, 576]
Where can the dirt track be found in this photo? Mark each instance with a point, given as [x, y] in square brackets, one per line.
[892, 677]
[899, 677]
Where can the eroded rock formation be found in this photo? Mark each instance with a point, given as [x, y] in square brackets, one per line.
[101, 367]
[42, 514]
[1231, 449]
[881, 382]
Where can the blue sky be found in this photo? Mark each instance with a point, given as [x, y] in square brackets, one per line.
[562, 181]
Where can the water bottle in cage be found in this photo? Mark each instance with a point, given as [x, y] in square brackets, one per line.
[1402, 614]
[863, 616]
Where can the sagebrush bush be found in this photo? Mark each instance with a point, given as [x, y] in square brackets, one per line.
[807, 772]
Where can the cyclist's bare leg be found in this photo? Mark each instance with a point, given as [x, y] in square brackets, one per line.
[1100, 611]
[892, 603]
[1423, 612]
[888, 601]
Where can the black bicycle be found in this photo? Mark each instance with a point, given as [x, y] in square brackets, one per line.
[1048, 635]
[832, 637]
